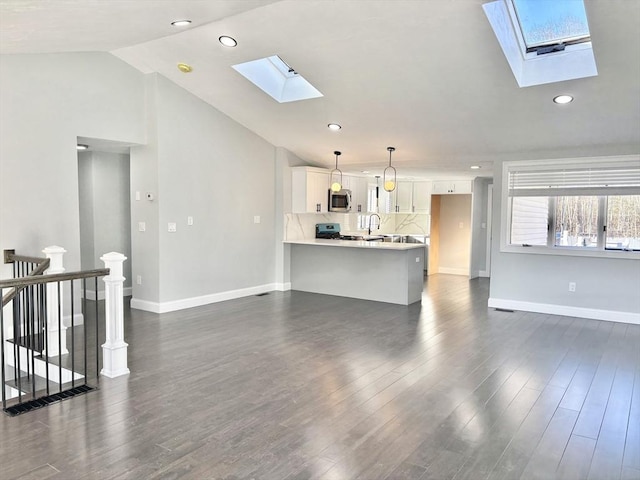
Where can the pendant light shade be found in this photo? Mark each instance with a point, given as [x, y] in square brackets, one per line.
[336, 175]
[389, 174]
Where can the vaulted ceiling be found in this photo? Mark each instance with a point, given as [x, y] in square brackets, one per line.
[427, 77]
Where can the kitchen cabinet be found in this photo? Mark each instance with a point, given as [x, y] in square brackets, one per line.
[309, 190]
[358, 187]
[404, 197]
[444, 187]
[422, 197]
[408, 197]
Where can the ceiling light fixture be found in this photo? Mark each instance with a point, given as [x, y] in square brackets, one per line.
[82, 146]
[475, 167]
[184, 68]
[181, 23]
[336, 175]
[227, 41]
[334, 126]
[389, 183]
[563, 99]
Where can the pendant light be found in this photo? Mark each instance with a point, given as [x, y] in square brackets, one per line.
[390, 174]
[336, 175]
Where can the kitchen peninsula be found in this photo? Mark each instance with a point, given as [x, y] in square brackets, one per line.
[380, 271]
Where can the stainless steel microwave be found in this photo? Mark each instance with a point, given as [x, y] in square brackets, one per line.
[340, 201]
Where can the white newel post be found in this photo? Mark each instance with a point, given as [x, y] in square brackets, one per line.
[114, 350]
[56, 336]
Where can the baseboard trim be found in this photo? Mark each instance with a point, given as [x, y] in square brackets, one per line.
[78, 319]
[454, 271]
[566, 310]
[484, 274]
[174, 305]
[91, 294]
[283, 287]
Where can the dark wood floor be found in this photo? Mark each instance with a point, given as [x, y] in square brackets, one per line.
[303, 386]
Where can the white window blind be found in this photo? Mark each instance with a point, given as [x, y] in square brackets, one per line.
[619, 178]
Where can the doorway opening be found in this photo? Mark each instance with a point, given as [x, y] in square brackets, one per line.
[105, 206]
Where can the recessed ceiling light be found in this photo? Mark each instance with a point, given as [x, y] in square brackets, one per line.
[475, 167]
[562, 99]
[365, 171]
[227, 41]
[334, 126]
[82, 146]
[184, 68]
[181, 23]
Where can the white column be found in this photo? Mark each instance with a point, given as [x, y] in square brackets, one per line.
[56, 336]
[114, 349]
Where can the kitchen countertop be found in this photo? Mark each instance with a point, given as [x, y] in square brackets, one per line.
[373, 245]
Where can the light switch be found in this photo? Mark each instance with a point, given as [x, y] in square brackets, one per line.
[189, 220]
[137, 195]
[142, 226]
[173, 227]
[461, 225]
[256, 219]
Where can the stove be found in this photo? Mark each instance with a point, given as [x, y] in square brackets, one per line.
[328, 230]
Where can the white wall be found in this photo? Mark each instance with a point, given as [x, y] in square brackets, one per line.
[479, 220]
[455, 234]
[85, 198]
[105, 209]
[607, 288]
[221, 174]
[196, 161]
[46, 101]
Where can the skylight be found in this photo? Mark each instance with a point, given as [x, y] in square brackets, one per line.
[544, 41]
[551, 23]
[274, 77]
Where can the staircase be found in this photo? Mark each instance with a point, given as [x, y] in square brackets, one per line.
[50, 333]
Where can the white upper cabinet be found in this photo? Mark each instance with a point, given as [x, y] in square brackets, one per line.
[309, 190]
[408, 197]
[404, 197]
[422, 197]
[444, 187]
[358, 187]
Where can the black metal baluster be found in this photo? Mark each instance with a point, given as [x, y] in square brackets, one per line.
[59, 338]
[32, 350]
[46, 337]
[4, 395]
[84, 326]
[97, 328]
[16, 347]
[73, 336]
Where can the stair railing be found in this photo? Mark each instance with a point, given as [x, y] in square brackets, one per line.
[43, 360]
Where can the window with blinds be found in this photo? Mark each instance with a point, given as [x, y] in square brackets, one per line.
[571, 206]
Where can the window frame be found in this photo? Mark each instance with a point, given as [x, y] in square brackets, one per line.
[551, 249]
[546, 46]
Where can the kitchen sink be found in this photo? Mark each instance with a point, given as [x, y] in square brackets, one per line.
[366, 238]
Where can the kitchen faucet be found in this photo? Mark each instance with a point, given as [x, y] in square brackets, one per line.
[371, 218]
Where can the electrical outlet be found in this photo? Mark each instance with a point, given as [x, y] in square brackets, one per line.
[417, 259]
[256, 219]
[172, 227]
[142, 226]
[139, 279]
[189, 220]
[572, 286]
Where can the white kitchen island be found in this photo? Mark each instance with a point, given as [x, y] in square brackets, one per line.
[380, 271]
